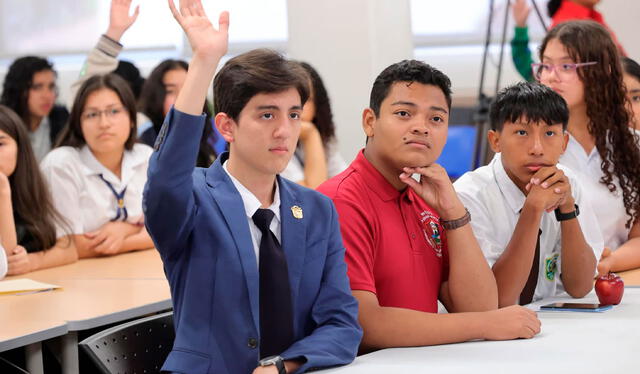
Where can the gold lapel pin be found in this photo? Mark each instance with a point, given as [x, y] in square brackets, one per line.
[296, 211]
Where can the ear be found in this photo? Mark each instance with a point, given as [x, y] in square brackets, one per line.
[565, 140]
[493, 137]
[368, 122]
[226, 126]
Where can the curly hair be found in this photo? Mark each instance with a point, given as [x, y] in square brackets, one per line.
[323, 119]
[606, 104]
[15, 89]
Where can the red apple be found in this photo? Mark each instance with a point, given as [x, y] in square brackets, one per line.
[609, 289]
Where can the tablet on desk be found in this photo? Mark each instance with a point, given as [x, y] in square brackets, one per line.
[576, 307]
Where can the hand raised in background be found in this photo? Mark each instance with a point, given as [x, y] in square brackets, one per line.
[119, 18]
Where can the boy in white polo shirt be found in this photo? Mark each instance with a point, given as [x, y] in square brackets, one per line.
[535, 227]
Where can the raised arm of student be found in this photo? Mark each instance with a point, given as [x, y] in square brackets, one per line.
[471, 286]
[168, 196]
[8, 237]
[103, 58]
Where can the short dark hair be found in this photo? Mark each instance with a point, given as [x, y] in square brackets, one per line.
[407, 71]
[71, 135]
[528, 101]
[17, 82]
[631, 67]
[130, 73]
[254, 72]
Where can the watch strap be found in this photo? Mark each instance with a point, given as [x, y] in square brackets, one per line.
[567, 216]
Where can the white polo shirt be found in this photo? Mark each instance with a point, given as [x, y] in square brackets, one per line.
[494, 202]
[83, 198]
[608, 206]
[3, 262]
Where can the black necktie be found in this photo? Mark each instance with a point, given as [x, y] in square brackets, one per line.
[530, 287]
[276, 316]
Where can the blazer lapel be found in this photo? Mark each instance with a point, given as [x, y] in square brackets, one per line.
[293, 233]
[225, 194]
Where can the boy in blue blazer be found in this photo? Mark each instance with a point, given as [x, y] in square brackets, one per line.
[255, 262]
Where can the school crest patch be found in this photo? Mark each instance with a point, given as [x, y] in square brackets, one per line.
[431, 231]
[551, 267]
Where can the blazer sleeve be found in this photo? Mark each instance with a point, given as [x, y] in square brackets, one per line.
[336, 339]
[168, 201]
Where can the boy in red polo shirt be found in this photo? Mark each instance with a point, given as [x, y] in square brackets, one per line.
[407, 248]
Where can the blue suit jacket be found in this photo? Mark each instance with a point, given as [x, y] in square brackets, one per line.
[198, 224]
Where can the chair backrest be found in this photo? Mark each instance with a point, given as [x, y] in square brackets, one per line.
[457, 155]
[139, 346]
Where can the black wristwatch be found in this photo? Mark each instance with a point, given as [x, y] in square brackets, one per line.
[274, 360]
[567, 216]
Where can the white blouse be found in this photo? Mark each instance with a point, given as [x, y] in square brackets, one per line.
[3, 262]
[80, 192]
[608, 206]
[295, 168]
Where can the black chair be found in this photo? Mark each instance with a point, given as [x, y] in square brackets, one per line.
[136, 347]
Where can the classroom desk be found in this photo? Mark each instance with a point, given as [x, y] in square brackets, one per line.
[631, 278]
[95, 292]
[570, 342]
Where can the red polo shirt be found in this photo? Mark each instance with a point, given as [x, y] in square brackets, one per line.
[395, 245]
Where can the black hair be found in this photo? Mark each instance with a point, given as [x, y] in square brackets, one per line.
[17, 82]
[528, 101]
[631, 67]
[407, 71]
[130, 73]
[323, 119]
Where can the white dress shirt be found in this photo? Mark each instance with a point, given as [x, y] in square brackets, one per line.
[83, 198]
[608, 206]
[41, 139]
[495, 202]
[251, 206]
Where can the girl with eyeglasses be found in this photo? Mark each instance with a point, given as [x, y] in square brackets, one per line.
[580, 61]
[30, 90]
[33, 234]
[98, 172]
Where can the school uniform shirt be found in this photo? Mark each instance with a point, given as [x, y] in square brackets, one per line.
[83, 198]
[608, 206]
[40, 139]
[495, 202]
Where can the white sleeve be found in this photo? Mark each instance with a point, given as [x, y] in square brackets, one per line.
[65, 187]
[3, 262]
[102, 59]
[588, 220]
[294, 170]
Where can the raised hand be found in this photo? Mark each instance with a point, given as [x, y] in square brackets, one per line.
[119, 18]
[205, 40]
[436, 189]
[521, 10]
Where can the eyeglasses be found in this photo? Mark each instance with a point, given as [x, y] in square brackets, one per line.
[564, 71]
[95, 115]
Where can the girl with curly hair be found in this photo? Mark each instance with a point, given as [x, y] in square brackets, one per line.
[580, 61]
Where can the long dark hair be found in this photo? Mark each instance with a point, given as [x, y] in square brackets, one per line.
[30, 197]
[71, 135]
[17, 82]
[606, 103]
[152, 105]
[323, 119]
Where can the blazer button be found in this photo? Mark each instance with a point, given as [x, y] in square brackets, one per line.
[252, 343]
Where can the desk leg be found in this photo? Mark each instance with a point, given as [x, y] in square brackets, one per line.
[34, 358]
[70, 363]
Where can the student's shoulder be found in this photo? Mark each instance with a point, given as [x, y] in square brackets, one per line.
[141, 151]
[61, 157]
[475, 182]
[348, 185]
[570, 173]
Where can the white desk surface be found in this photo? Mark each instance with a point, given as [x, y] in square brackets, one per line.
[570, 342]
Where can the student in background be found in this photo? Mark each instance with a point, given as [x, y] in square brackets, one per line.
[159, 93]
[32, 232]
[98, 171]
[532, 220]
[632, 86]
[316, 156]
[3, 261]
[160, 88]
[30, 90]
[602, 149]
[409, 243]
